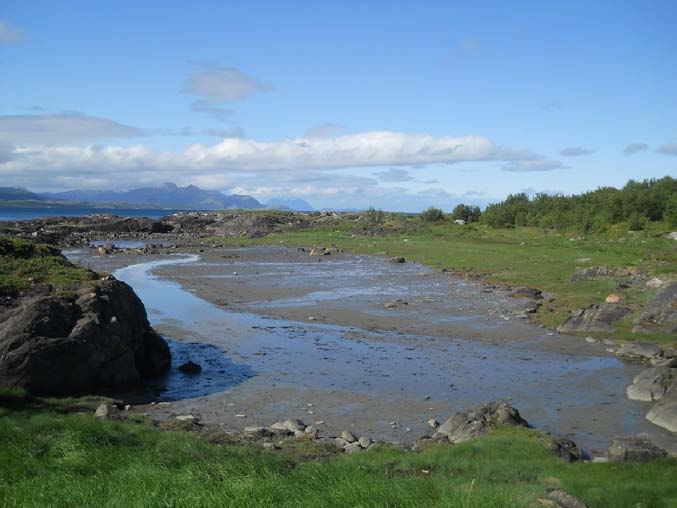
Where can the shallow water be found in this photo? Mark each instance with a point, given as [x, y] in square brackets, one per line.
[580, 395]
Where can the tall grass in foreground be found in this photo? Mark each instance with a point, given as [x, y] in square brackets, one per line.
[47, 459]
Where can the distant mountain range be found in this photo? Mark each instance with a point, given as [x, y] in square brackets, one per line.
[167, 195]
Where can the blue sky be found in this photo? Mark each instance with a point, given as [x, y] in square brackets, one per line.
[396, 104]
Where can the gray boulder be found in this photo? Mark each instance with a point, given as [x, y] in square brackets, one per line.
[650, 384]
[640, 350]
[478, 420]
[664, 412]
[596, 318]
[98, 340]
[661, 314]
[108, 412]
[634, 449]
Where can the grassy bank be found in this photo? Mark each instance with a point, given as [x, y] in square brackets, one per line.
[23, 264]
[519, 257]
[52, 458]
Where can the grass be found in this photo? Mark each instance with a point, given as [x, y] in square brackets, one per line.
[518, 257]
[48, 458]
[23, 263]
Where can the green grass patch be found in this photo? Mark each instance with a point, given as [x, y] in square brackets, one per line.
[50, 459]
[23, 263]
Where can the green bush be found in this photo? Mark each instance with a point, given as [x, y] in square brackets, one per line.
[432, 214]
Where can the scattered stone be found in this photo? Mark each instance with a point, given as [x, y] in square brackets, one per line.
[634, 449]
[348, 436]
[673, 235]
[478, 420]
[255, 431]
[397, 260]
[270, 446]
[564, 499]
[190, 367]
[433, 423]
[591, 340]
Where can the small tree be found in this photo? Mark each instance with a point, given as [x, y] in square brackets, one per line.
[432, 214]
[466, 213]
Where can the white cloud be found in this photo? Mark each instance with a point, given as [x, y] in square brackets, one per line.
[668, 149]
[576, 151]
[633, 148]
[215, 84]
[9, 33]
[304, 167]
[61, 128]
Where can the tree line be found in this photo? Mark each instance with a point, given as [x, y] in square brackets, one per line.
[636, 204]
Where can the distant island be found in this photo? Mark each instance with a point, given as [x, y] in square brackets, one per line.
[164, 196]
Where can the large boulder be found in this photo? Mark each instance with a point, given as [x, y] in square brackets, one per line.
[650, 384]
[596, 318]
[100, 339]
[478, 420]
[664, 412]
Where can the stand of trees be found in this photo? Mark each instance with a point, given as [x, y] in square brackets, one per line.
[636, 203]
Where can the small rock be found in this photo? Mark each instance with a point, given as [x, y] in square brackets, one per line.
[397, 260]
[108, 412]
[348, 436]
[364, 442]
[564, 499]
[255, 431]
[591, 340]
[614, 298]
[187, 418]
[433, 423]
[190, 367]
[352, 447]
[292, 425]
[655, 283]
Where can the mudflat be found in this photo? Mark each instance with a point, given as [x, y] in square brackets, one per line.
[354, 342]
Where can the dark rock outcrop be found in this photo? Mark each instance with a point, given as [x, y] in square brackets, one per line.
[100, 339]
[596, 318]
[478, 420]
